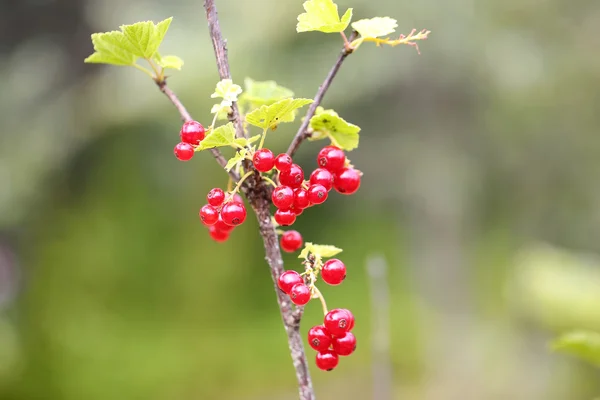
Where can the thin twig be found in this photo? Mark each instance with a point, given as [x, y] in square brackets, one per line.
[302, 131]
[258, 194]
[220, 47]
[185, 116]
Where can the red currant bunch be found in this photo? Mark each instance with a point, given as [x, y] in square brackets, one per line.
[222, 213]
[333, 338]
[191, 134]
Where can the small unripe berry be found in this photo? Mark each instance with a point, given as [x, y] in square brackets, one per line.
[283, 197]
[285, 217]
[291, 241]
[209, 215]
[333, 271]
[233, 213]
[192, 132]
[319, 338]
[215, 197]
[344, 345]
[283, 162]
[288, 280]
[183, 151]
[263, 160]
[300, 294]
[327, 360]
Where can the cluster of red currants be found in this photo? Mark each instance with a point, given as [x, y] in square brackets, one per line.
[293, 194]
[333, 338]
[191, 134]
[222, 213]
[291, 282]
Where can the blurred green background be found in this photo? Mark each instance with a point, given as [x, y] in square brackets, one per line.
[481, 161]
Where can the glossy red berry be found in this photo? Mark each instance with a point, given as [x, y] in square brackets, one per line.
[337, 322]
[327, 360]
[264, 160]
[297, 211]
[222, 226]
[215, 197]
[293, 177]
[317, 194]
[350, 318]
[322, 177]
[192, 132]
[283, 197]
[291, 241]
[333, 271]
[283, 162]
[288, 280]
[285, 217]
[300, 294]
[217, 234]
[301, 198]
[209, 215]
[345, 344]
[184, 151]
[346, 181]
[331, 158]
[233, 213]
[319, 338]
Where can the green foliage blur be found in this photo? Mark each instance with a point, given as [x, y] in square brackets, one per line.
[480, 190]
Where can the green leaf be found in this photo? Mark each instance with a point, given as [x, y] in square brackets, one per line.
[238, 157]
[583, 344]
[375, 27]
[342, 134]
[281, 111]
[228, 91]
[319, 250]
[170, 62]
[263, 93]
[224, 135]
[322, 15]
[124, 47]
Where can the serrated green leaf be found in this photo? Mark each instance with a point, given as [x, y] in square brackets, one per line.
[170, 62]
[270, 116]
[322, 15]
[238, 157]
[328, 124]
[583, 344]
[375, 27]
[325, 250]
[228, 91]
[124, 47]
[243, 142]
[263, 93]
[224, 135]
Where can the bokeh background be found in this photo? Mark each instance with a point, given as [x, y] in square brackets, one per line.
[479, 213]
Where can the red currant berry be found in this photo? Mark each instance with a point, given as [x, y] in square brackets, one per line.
[184, 151]
[222, 226]
[331, 158]
[283, 162]
[322, 177]
[333, 271]
[344, 345]
[291, 241]
[217, 234]
[319, 338]
[317, 194]
[293, 177]
[209, 215]
[215, 197]
[233, 213]
[288, 280]
[346, 181]
[283, 197]
[337, 322]
[297, 211]
[327, 360]
[301, 199]
[264, 160]
[192, 132]
[300, 294]
[350, 318]
[285, 217]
